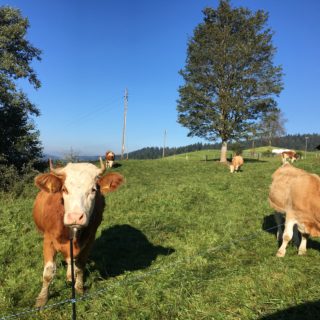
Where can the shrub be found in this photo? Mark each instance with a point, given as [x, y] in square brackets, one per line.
[17, 183]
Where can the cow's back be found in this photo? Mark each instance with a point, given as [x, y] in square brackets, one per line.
[237, 161]
[282, 179]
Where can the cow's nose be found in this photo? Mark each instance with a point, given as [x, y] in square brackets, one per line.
[76, 219]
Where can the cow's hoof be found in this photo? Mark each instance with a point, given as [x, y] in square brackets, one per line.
[40, 302]
[79, 289]
[302, 252]
[280, 254]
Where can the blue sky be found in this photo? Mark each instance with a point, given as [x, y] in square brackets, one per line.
[93, 50]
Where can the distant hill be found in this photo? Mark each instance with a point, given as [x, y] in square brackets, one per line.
[296, 142]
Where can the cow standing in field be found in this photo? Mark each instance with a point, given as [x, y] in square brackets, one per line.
[296, 193]
[71, 196]
[109, 159]
[236, 163]
[289, 156]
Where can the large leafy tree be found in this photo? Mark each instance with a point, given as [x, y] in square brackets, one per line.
[229, 77]
[19, 139]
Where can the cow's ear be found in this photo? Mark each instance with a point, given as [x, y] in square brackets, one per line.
[48, 182]
[110, 182]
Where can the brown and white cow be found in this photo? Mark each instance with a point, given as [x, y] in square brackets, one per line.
[296, 193]
[236, 163]
[289, 156]
[71, 196]
[109, 159]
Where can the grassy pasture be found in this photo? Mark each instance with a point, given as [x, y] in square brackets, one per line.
[180, 240]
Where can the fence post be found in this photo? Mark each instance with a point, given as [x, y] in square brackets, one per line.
[72, 235]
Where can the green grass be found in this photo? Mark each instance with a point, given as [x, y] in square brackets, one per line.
[180, 240]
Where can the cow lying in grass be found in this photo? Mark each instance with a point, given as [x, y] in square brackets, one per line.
[71, 196]
[296, 193]
[236, 163]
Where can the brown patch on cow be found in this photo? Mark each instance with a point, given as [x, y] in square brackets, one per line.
[49, 182]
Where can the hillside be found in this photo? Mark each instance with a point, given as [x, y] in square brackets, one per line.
[296, 142]
[180, 240]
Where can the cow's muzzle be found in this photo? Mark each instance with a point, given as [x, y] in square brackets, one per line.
[75, 220]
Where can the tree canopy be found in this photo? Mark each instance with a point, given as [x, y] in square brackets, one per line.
[229, 77]
[19, 139]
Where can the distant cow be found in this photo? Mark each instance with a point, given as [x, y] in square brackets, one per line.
[71, 196]
[296, 193]
[279, 151]
[289, 156]
[109, 159]
[237, 162]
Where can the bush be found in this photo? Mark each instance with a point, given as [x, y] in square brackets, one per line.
[17, 183]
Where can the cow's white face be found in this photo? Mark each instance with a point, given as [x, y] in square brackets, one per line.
[79, 191]
[79, 183]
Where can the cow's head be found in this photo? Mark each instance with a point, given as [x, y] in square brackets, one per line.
[79, 184]
[110, 155]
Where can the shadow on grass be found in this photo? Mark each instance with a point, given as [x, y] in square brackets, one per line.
[251, 160]
[246, 160]
[305, 311]
[274, 224]
[116, 165]
[123, 248]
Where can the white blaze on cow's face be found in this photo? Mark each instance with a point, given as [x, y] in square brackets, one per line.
[79, 191]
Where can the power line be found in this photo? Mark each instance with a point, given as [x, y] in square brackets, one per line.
[92, 112]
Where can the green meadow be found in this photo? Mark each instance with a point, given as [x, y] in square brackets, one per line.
[181, 239]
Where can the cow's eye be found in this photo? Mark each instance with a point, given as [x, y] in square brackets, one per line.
[65, 190]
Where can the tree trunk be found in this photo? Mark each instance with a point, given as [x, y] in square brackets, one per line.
[223, 154]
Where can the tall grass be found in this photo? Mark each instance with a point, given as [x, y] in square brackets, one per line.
[180, 240]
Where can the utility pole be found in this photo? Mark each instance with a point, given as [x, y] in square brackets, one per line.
[124, 121]
[164, 142]
[306, 148]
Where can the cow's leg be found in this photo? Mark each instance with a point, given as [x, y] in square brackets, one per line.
[78, 274]
[279, 219]
[79, 277]
[81, 262]
[287, 236]
[69, 278]
[303, 244]
[48, 271]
